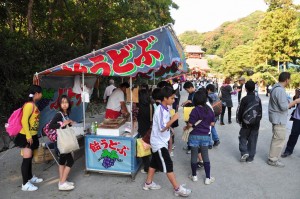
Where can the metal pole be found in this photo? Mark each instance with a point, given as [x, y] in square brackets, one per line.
[83, 101]
[131, 120]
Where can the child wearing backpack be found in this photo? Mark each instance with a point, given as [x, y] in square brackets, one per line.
[66, 161]
[249, 115]
[27, 139]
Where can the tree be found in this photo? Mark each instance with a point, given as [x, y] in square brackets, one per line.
[238, 61]
[278, 34]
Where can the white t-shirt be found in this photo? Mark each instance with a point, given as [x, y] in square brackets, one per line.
[244, 92]
[115, 99]
[108, 91]
[160, 139]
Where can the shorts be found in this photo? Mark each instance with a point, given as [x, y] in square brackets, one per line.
[199, 140]
[21, 142]
[111, 114]
[162, 161]
[66, 159]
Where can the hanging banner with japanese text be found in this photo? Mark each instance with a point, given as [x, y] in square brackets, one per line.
[157, 51]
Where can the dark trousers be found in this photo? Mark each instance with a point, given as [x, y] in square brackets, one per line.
[223, 112]
[293, 137]
[247, 141]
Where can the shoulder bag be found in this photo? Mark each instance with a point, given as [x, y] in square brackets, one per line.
[66, 140]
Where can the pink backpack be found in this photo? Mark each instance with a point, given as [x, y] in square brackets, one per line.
[14, 124]
[50, 133]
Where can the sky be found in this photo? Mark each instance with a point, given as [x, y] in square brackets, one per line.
[206, 15]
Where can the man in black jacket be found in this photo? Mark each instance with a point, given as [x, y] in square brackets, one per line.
[248, 133]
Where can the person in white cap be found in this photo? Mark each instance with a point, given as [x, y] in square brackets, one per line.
[241, 89]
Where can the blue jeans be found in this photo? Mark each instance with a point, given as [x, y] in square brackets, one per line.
[214, 135]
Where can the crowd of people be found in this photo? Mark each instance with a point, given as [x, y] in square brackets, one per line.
[156, 126]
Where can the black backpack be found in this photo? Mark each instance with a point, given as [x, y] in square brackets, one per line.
[252, 112]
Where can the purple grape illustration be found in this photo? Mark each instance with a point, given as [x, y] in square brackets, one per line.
[109, 158]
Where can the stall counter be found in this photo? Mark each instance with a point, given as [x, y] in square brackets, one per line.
[111, 154]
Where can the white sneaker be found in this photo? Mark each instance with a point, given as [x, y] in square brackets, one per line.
[153, 186]
[35, 179]
[173, 147]
[65, 187]
[143, 171]
[188, 152]
[244, 157]
[29, 187]
[182, 191]
[209, 180]
[70, 183]
[193, 178]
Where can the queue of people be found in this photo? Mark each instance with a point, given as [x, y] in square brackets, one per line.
[155, 126]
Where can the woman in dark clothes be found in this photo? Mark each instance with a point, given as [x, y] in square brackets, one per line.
[144, 118]
[226, 92]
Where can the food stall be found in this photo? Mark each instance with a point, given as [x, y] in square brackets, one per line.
[112, 149]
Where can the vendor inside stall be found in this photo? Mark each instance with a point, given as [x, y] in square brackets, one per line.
[116, 105]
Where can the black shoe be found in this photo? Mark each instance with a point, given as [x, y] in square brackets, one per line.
[222, 123]
[209, 146]
[216, 143]
[229, 122]
[286, 154]
[249, 160]
[200, 165]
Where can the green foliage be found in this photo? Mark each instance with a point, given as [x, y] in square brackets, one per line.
[216, 64]
[225, 38]
[250, 44]
[238, 61]
[64, 30]
[278, 36]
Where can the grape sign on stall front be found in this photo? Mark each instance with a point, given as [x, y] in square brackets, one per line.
[110, 153]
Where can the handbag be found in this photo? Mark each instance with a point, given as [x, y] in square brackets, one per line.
[66, 140]
[186, 113]
[143, 149]
[186, 132]
[217, 107]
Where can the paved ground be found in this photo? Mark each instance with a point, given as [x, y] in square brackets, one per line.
[233, 179]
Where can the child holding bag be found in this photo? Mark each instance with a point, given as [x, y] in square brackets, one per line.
[201, 118]
[66, 161]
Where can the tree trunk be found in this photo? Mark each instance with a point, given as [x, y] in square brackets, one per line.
[278, 66]
[9, 18]
[100, 35]
[29, 19]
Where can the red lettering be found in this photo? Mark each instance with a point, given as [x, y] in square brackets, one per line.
[104, 142]
[147, 57]
[122, 151]
[101, 66]
[120, 58]
[95, 146]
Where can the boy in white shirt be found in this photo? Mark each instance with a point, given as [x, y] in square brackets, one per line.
[160, 136]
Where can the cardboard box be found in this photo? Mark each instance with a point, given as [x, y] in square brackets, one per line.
[112, 132]
[42, 155]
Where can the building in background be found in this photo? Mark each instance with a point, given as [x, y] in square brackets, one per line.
[198, 65]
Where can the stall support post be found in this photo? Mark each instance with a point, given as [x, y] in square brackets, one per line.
[131, 121]
[83, 101]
